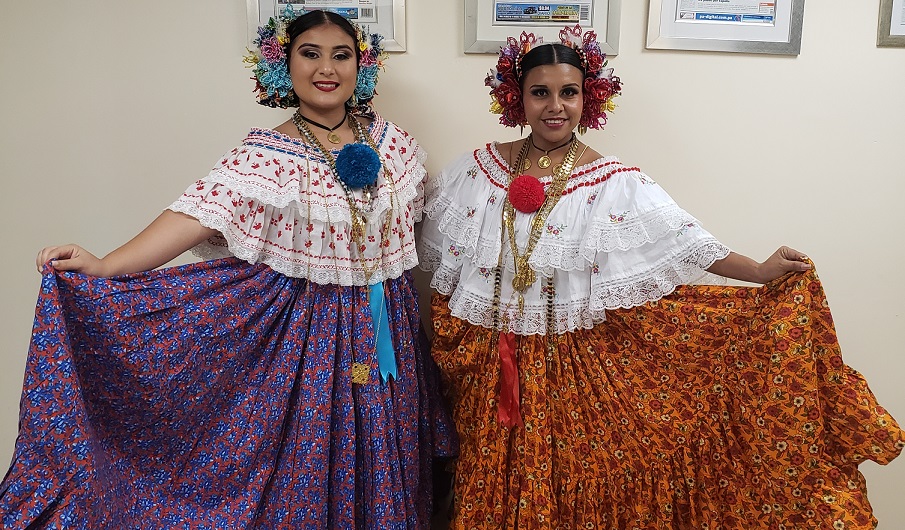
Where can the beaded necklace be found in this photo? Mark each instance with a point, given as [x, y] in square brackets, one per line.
[359, 221]
[524, 275]
[360, 371]
[503, 343]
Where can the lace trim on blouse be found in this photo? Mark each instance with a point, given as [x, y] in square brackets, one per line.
[615, 239]
[275, 200]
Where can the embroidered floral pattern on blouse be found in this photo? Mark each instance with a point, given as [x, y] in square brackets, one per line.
[454, 250]
[272, 200]
[555, 229]
[618, 217]
[682, 230]
[469, 213]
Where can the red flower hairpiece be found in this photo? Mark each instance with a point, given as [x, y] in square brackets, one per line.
[600, 85]
[506, 91]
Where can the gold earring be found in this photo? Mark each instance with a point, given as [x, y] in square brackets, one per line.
[582, 129]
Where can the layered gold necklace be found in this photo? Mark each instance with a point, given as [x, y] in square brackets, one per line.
[524, 275]
[544, 161]
[359, 221]
[361, 371]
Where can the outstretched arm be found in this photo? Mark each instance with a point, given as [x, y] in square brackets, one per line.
[166, 237]
[739, 267]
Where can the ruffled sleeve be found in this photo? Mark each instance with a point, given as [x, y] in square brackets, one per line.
[639, 244]
[275, 200]
[615, 239]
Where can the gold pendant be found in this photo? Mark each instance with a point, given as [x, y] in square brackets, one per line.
[361, 373]
[526, 165]
[543, 162]
[358, 230]
[524, 276]
[333, 138]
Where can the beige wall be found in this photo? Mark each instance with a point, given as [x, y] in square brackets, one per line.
[108, 110]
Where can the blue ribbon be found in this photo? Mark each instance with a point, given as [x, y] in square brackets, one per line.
[386, 356]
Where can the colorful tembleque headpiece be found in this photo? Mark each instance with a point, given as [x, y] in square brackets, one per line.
[269, 61]
[600, 85]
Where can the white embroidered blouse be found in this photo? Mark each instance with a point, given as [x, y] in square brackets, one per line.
[615, 239]
[275, 200]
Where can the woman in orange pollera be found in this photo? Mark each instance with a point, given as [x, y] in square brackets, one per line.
[592, 386]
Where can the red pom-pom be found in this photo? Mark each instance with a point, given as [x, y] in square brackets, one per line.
[526, 194]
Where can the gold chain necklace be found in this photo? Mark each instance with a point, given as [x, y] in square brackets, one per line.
[359, 221]
[524, 275]
[361, 372]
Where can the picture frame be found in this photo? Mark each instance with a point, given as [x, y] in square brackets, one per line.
[891, 27]
[386, 17]
[489, 22]
[744, 26]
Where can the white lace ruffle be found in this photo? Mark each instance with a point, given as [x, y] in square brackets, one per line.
[615, 239]
[275, 201]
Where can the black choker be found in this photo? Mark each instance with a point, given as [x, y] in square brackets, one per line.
[332, 137]
[544, 161]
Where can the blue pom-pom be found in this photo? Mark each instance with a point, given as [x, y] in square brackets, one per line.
[357, 165]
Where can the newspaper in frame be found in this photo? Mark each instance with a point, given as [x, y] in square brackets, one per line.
[386, 17]
[667, 31]
[360, 11]
[540, 13]
[753, 12]
[485, 32]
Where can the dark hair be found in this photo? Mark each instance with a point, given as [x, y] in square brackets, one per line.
[317, 18]
[549, 54]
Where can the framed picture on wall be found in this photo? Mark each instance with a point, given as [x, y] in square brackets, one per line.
[744, 26]
[891, 29]
[489, 22]
[386, 17]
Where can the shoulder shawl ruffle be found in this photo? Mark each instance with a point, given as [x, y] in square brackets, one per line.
[615, 239]
[275, 200]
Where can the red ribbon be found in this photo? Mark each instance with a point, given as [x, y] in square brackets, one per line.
[508, 409]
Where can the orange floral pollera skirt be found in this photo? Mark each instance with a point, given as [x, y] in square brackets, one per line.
[712, 408]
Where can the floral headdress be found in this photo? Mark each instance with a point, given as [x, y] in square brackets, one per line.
[599, 89]
[269, 62]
